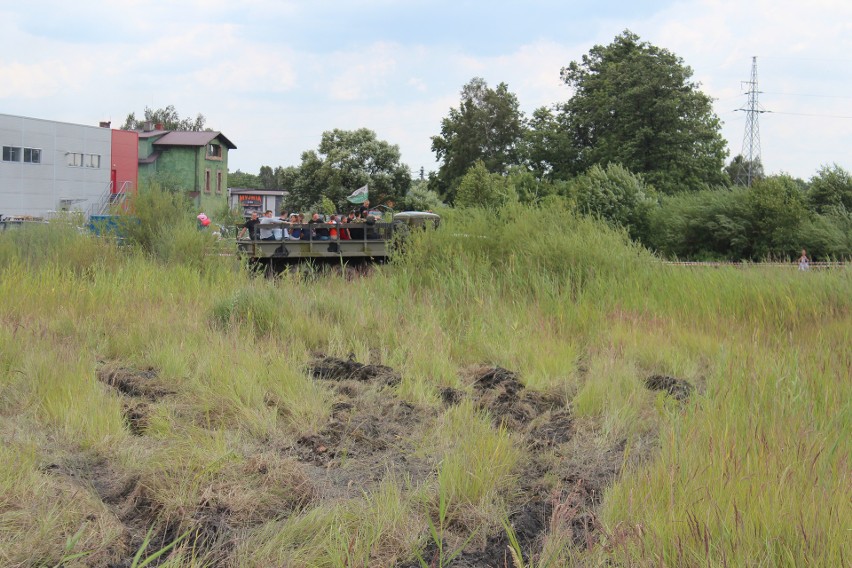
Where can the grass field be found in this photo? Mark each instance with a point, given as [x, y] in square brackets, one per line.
[482, 401]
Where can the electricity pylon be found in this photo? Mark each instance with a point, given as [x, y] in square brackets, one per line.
[751, 139]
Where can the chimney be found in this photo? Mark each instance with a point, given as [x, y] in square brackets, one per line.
[159, 126]
[105, 123]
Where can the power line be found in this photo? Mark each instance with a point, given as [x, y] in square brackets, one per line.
[806, 114]
[807, 95]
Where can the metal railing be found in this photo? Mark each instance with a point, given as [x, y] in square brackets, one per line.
[743, 265]
[308, 232]
[109, 198]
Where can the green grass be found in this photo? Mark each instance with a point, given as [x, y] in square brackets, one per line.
[752, 470]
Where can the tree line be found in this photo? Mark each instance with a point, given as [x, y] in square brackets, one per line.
[637, 145]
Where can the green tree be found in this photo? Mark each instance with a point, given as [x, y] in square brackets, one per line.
[738, 171]
[345, 161]
[267, 178]
[168, 117]
[488, 126]
[635, 104]
[480, 188]
[776, 207]
[548, 151]
[421, 198]
[532, 190]
[243, 180]
[830, 190]
[616, 196]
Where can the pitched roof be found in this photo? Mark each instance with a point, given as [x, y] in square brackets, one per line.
[151, 133]
[185, 138]
[150, 159]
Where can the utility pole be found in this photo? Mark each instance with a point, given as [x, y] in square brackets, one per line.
[751, 139]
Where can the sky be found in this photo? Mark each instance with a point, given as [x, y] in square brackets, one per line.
[273, 75]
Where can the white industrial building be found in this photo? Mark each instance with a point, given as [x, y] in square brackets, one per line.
[48, 166]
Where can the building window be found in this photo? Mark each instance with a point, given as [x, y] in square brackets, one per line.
[207, 181]
[32, 155]
[214, 151]
[78, 160]
[11, 153]
[218, 182]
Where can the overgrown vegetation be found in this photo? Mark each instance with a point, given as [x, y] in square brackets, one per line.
[491, 379]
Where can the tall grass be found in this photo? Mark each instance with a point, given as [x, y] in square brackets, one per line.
[752, 470]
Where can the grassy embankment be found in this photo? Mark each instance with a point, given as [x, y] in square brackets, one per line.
[752, 470]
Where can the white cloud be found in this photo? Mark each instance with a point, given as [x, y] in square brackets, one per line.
[363, 74]
[274, 95]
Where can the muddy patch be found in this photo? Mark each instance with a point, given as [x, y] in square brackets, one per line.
[257, 489]
[679, 389]
[125, 498]
[334, 369]
[543, 418]
[369, 434]
[137, 383]
[560, 487]
[139, 390]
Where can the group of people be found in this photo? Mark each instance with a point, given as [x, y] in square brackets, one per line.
[293, 227]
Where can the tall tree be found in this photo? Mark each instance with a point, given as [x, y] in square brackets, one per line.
[267, 178]
[739, 167]
[830, 190]
[635, 104]
[243, 180]
[548, 152]
[345, 161]
[487, 126]
[168, 117]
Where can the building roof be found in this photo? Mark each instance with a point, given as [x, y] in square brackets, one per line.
[186, 138]
[151, 133]
[150, 159]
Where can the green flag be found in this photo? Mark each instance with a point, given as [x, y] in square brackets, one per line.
[358, 196]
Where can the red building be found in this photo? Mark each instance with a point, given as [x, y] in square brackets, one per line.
[124, 174]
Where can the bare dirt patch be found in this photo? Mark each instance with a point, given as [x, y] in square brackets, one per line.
[334, 369]
[139, 389]
[372, 435]
[677, 388]
[253, 491]
[139, 383]
[560, 487]
[369, 435]
[544, 419]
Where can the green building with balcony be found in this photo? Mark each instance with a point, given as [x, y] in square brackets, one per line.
[194, 162]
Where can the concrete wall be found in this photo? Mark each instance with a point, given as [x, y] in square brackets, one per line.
[39, 189]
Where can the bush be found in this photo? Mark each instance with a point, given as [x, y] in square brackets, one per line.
[162, 223]
[421, 198]
[479, 188]
[616, 196]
